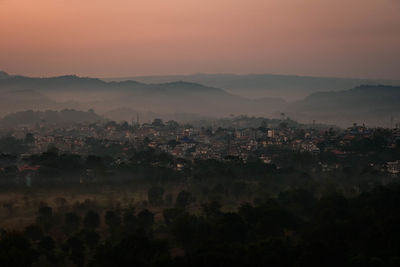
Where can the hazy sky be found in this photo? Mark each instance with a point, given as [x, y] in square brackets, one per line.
[350, 38]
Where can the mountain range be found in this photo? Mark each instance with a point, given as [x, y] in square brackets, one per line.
[370, 104]
[185, 100]
[103, 96]
[288, 87]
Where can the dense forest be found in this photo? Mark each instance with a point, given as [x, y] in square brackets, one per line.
[292, 229]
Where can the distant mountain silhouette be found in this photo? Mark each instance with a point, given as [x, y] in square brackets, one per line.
[289, 87]
[130, 115]
[64, 82]
[17, 100]
[171, 97]
[373, 104]
[3, 75]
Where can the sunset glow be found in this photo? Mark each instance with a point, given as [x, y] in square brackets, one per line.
[359, 38]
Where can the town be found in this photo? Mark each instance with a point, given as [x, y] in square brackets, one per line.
[233, 139]
[79, 191]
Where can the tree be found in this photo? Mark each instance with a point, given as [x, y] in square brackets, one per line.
[45, 217]
[33, 232]
[173, 143]
[132, 251]
[211, 209]
[168, 199]
[77, 250]
[186, 228]
[231, 228]
[112, 219]
[29, 138]
[11, 145]
[239, 189]
[47, 247]
[72, 222]
[145, 219]
[61, 203]
[16, 250]
[283, 125]
[170, 215]
[91, 220]
[52, 149]
[172, 125]
[157, 123]
[47, 244]
[155, 195]
[130, 220]
[183, 199]
[94, 162]
[91, 238]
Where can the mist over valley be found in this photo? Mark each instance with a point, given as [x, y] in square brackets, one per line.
[184, 100]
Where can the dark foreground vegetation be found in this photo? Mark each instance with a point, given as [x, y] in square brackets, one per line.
[293, 229]
[154, 209]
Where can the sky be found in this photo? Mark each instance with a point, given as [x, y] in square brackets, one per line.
[114, 38]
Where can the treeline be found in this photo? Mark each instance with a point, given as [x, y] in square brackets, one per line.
[228, 179]
[293, 229]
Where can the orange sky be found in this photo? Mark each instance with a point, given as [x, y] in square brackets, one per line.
[350, 38]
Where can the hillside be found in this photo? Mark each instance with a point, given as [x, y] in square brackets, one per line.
[373, 105]
[171, 97]
[289, 87]
[3, 75]
[17, 100]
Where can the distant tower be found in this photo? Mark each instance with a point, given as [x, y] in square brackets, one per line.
[137, 119]
[313, 124]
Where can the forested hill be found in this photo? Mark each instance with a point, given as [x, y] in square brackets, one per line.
[3, 74]
[288, 87]
[103, 96]
[366, 103]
